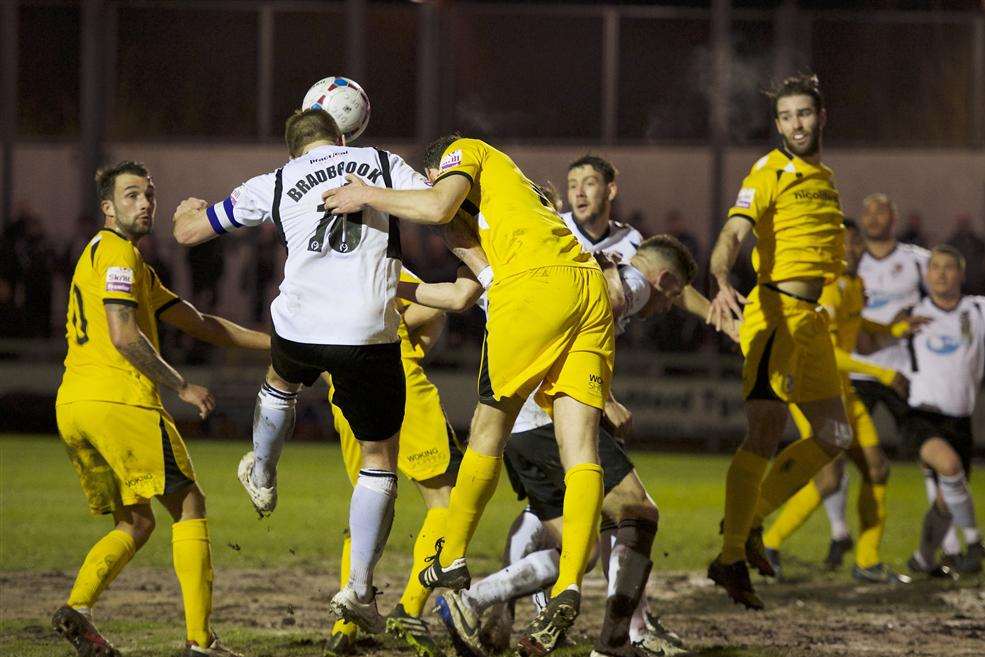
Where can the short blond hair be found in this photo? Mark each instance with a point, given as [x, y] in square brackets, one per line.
[948, 250]
[882, 199]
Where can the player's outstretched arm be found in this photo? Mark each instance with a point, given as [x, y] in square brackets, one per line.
[213, 329]
[131, 342]
[421, 206]
[191, 225]
[455, 297]
[728, 301]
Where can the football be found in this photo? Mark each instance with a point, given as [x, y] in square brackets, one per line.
[344, 100]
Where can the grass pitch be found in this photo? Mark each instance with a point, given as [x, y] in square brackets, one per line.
[274, 577]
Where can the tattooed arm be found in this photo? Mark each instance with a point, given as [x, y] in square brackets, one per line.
[131, 342]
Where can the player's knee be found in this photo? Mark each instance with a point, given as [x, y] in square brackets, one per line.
[139, 527]
[826, 485]
[834, 433]
[273, 379]
[950, 466]
[637, 533]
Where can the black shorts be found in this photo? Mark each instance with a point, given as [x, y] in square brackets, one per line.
[762, 389]
[370, 388]
[872, 393]
[920, 426]
[533, 463]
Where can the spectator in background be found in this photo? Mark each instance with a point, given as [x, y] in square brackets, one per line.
[82, 231]
[149, 252]
[264, 263]
[27, 272]
[913, 233]
[972, 247]
[39, 266]
[674, 225]
[206, 265]
[10, 274]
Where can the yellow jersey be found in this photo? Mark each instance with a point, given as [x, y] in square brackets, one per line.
[518, 227]
[844, 300]
[110, 270]
[796, 216]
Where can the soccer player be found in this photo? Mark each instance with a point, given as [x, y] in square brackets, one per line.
[843, 300]
[337, 313]
[651, 281]
[892, 273]
[123, 444]
[429, 455]
[549, 330]
[533, 461]
[789, 201]
[948, 361]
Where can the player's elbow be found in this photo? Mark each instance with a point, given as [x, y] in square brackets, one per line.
[466, 297]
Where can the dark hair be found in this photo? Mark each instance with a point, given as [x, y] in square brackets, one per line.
[307, 126]
[803, 84]
[850, 224]
[437, 148]
[106, 177]
[947, 249]
[673, 251]
[601, 165]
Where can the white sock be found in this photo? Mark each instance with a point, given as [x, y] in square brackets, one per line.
[273, 422]
[951, 545]
[834, 504]
[526, 536]
[972, 536]
[637, 624]
[370, 519]
[954, 490]
[531, 573]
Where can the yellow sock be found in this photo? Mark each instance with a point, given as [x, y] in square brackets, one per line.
[476, 483]
[416, 596]
[101, 566]
[745, 474]
[794, 513]
[581, 514]
[341, 625]
[872, 518]
[792, 469]
[192, 558]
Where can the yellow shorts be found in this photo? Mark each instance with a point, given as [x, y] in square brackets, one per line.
[123, 453]
[427, 440]
[548, 329]
[863, 428]
[787, 347]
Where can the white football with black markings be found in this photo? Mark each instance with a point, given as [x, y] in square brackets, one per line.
[344, 100]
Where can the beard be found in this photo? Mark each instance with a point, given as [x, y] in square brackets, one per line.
[136, 227]
[592, 214]
[808, 149]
